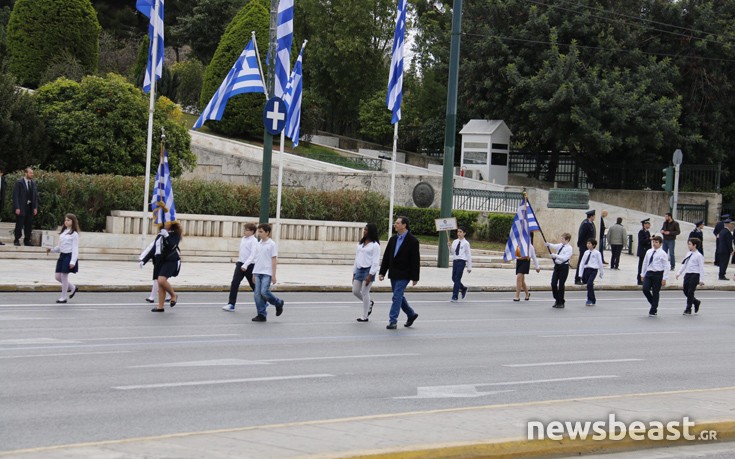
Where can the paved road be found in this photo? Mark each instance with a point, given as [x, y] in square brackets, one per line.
[106, 368]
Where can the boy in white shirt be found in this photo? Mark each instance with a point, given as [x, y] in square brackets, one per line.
[591, 264]
[655, 273]
[693, 269]
[461, 257]
[561, 253]
[245, 264]
[264, 272]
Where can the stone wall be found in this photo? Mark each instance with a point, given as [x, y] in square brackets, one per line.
[657, 202]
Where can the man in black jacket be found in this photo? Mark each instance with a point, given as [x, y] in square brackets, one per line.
[402, 262]
[586, 232]
[25, 206]
[725, 247]
[644, 243]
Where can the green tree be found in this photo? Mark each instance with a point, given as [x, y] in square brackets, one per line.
[100, 126]
[41, 29]
[189, 75]
[243, 115]
[22, 133]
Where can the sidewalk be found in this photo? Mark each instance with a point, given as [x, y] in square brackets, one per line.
[38, 275]
[493, 431]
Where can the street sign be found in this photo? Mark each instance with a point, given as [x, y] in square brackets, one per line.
[274, 115]
[445, 224]
[678, 157]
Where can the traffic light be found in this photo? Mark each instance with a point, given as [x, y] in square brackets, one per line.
[668, 178]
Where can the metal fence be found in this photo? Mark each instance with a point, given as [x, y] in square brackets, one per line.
[692, 212]
[536, 165]
[485, 200]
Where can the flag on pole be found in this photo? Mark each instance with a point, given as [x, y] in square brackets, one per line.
[293, 100]
[155, 34]
[395, 79]
[284, 38]
[162, 201]
[519, 238]
[242, 78]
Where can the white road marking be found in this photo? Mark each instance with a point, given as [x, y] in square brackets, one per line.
[298, 359]
[610, 334]
[37, 341]
[570, 362]
[223, 381]
[158, 337]
[62, 355]
[203, 363]
[540, 381]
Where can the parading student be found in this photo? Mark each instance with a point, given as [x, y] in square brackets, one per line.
[461, 258]
[693, 269]
[590, 266]
[245, 264]
[264, 272]
[655, 273]
[561, 253]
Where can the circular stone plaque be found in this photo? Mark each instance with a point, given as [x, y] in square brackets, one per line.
[423, 195]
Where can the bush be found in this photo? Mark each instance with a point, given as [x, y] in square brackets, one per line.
[189, 75]
[496, 229]
[101, 124]
[422, 220]
[38, 30]
[243, 116]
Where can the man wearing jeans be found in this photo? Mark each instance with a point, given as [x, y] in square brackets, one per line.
[670, 230]
[264, 272]
[402, 262]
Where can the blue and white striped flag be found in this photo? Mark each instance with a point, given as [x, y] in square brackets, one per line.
[155, 33]
[519, 238]
[293, 101]
[242, 78]
[395, 79]
[162, 201]
[284, 38]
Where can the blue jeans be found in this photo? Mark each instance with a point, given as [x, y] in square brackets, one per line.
[262, 293]
[399, 301]
[669, 247]
[457, 271]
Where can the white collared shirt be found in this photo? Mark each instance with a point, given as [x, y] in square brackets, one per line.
[464, 251]
[693, 263]
[267, 250]
[592, 259]
[563, 253]
[68, 243]
[660, 262]
[368, 256]
[248, 247]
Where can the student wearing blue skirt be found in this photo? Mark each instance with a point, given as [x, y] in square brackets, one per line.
[68, 261]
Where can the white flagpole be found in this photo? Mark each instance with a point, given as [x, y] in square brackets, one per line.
[280, 183]
[393, 180]
[260, 67]
[151, 109]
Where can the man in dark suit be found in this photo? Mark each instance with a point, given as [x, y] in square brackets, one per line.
[718, 229]
[3, 187]
[402, 262]
[725, 247]
[603, 239]
[644, 243]
[25, 205]
[586, 232]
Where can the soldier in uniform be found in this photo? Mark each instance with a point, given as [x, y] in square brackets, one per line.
[718, 229]
[586, 232]
[644, 243]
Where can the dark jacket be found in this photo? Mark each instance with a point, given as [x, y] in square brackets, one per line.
[602, 229]
[644, 242]
[672, 226]
[698, 234]
[718, 228]
[169, 249]
[21, 196]
[406, 264]
[586, 232]
[724, 242]
[3, 187]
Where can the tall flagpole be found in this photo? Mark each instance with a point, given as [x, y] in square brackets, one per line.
[393, 180]
[151, 109]
[280, 183]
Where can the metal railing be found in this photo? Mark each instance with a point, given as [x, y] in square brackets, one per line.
[692, 212]
[536, 165]
[485, 200]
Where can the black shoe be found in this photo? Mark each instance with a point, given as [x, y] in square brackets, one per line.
[687, 312]
[516, 299]
[26, 243]
[464, 292]
[2, 243]
[279, 308]
[73, 293]
[16, 243]
[558, 306]
[150, 300]
[696, 306]
[61, 301]
[172, 303]
[651, 314]
[259, 318]
[370, 311]
[157, 310]
[391, 327]
[723, 278]
[360, 319]
[578, 282]
[640, 283]
[411, 320]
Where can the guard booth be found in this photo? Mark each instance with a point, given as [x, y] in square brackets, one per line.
[485, 150]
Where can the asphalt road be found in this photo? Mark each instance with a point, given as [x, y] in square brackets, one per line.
[104, 367]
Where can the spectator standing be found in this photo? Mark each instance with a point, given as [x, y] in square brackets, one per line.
[725, 248]
[618, 238]
[244, 265]
[603, 238]
[586, 232]
[25, 206]
[644, 243]
[670, 230]
[402, 262]
[716, 231]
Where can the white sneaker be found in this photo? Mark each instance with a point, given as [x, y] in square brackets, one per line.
[228, 307]
[453, 300]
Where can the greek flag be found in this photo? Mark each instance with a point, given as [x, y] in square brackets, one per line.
[243, 77]
[519, 238]
[155, 33]
[284, 38]
[293, 101]
[162, 201]
[395, 80]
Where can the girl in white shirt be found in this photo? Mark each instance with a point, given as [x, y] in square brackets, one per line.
[693, 269]
[590, 266]
[367, 261]
[68, 260]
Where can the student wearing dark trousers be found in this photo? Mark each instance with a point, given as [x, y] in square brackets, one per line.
[591, 264]
[655, 273]
[586, 232]
[245, 264]
[693, 269]
[561, 254]
[725, 248]
[644, 243]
